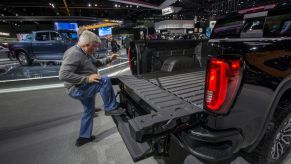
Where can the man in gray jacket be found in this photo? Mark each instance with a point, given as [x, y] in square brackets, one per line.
[82, 82]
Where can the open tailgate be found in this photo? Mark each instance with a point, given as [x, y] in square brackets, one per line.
[152, 114]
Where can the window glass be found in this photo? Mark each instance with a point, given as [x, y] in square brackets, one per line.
[69, 34]
[42, 36]
[55, 36]
[278, 26]
[253, 24]
[28, 38]
[227, 28]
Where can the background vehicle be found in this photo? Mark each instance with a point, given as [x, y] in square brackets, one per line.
[234, 97]
[41, 46]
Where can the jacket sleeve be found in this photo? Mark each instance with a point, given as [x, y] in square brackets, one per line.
[69, 65]
[102, 62]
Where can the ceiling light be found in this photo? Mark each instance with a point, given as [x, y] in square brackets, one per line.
[89, 5]
[96, 5]
[115, 5]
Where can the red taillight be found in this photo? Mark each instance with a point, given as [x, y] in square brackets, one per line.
[221, 84]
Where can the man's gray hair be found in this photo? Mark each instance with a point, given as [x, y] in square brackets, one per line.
[88, 37]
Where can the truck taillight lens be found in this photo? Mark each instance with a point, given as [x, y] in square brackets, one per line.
[222, 81]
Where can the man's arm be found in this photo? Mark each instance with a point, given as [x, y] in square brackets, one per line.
[107, 60]
[104, 61]
[67, 71]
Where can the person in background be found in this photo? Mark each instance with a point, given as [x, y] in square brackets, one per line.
[82, 82]
[126, 43]
[114, 46]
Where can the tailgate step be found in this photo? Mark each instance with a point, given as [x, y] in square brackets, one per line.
[138, 151]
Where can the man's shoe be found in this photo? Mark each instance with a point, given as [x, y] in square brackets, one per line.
[116, 112]
[81, 141]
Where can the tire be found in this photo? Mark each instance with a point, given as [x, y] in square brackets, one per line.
[276, 144]
[23, 58]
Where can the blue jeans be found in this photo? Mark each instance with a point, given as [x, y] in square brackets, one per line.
[86, 94]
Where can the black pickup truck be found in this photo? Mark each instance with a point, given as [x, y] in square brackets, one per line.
[216, 98]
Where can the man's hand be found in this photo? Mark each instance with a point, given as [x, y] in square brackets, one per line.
[114, 56]
[94, 78]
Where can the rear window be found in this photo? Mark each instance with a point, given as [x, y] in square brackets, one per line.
[253, 24]
[253, 27]
[227, 28]
[278, 26]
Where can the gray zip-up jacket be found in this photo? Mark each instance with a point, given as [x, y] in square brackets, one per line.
[76, 67]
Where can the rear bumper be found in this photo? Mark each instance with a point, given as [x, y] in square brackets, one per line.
[210, 145]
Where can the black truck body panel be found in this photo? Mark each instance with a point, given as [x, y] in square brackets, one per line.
[266, 65]
[266, 70]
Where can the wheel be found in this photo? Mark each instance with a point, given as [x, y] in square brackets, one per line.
[276, 144]
[23, 59]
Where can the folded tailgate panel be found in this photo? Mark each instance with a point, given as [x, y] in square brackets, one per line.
[166, 109]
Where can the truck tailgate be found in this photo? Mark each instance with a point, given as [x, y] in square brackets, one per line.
[163, 107]
[157, 107]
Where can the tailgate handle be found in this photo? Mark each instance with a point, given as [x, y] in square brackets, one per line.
[170, 124]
